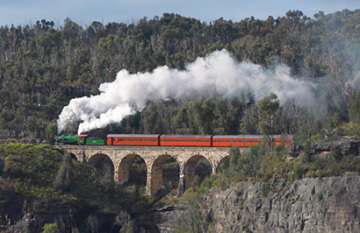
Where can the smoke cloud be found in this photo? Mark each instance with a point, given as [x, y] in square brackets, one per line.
[217, 74]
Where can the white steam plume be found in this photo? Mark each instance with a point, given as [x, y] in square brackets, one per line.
[219, 73]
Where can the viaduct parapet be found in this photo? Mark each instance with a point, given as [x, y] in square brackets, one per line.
[154, 157]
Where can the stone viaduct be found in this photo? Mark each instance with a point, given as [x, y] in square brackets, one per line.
[154, 157]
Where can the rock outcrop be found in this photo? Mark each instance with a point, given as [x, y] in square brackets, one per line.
[330, 204]
[345, 147]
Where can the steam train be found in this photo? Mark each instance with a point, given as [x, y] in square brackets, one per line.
[173, 140]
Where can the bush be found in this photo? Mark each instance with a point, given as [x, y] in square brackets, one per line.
[298, 172]
[192, 220]
[51, 132]
[336, 154]
[318, 164]
[50, 228]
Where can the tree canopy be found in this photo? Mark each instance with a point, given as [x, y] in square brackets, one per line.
[44, 66]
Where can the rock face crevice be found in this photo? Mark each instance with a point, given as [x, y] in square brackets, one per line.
[328, 204]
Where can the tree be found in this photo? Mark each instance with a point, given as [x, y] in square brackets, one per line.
[51, 131]
[153, 121]
[266, 110]
[201, 116]
[180, 121]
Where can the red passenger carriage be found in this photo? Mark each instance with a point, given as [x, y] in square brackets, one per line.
[248, 140]
[185, 140]
[236, 140]
[285, 141]
[133, 139]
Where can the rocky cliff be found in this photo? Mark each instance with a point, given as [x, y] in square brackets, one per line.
[330, 204]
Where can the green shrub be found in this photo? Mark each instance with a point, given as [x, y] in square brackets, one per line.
[307, 155]
[298, 172]
[192, 220]
[319, 164]
[336, 154]
[128, 228]
[50, 228]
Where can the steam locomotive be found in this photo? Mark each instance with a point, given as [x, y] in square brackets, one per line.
[173, 140]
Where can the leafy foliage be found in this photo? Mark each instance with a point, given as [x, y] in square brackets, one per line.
[51, 228]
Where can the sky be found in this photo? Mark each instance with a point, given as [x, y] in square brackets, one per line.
[84, 12]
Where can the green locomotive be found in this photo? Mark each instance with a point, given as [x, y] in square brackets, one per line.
[82, 139]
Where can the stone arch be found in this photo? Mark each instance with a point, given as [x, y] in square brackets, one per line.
[73, 156]
[104, 165]
[223, 163]
[124, 168]
[157, 176]
[191, 169]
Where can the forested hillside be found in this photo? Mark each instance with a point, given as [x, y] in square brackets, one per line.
[44, 66]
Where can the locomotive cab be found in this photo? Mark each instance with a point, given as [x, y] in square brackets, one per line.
[82, 139]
